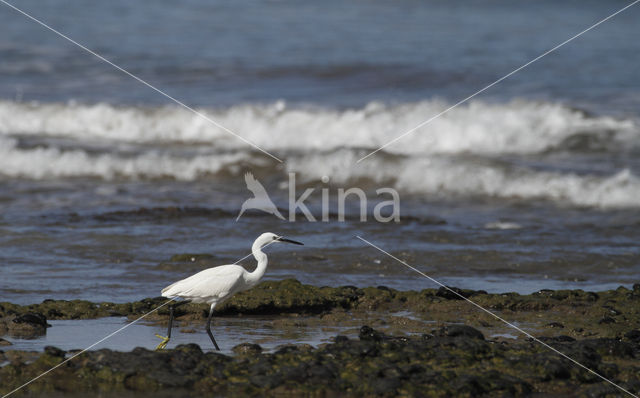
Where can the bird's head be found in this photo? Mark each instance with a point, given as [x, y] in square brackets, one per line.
[268, 237]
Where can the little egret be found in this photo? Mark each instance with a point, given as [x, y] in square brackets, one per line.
[215, 285]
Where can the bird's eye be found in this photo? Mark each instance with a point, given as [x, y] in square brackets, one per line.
[275, 238]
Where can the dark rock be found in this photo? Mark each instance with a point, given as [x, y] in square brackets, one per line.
[557, 325]
[455, 362]
[385, 386]
[54, 351]
[4, 342]
[266, 382]
[476, 385]
[591, 296]
[460, 331]
[184, 358]
[32, 318]
[553, 367]
[247, 349]
[449, 293]
[369, 334]
[611, 310]
[294, 348]
[607, 347]
[340, 339]
[54, 313]
[602, 390]
[633, 335]
[606, 320]
[556, 339]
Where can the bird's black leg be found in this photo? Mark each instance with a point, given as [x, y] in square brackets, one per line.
[209, 329]
[165, 340]
[170, 321]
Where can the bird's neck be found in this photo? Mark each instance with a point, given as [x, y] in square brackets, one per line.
[254, 277]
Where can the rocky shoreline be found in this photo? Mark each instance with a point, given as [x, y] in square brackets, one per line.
[426, 343]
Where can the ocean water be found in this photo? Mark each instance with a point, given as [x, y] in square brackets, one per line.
[533, 184]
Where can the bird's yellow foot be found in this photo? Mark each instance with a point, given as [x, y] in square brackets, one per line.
[163, 343]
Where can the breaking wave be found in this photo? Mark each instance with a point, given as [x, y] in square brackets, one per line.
[459, 153]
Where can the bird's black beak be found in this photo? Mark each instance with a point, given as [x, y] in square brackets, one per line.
[281, 239]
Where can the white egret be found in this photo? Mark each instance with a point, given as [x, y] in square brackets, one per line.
[215, 285]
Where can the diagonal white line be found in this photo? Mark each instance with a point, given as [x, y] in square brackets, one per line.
[497, 316]
[182, 104]
[495, 82]
[107, 336]
[86, 349]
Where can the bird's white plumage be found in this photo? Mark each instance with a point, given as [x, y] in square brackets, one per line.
[211, 286]
[215, 285]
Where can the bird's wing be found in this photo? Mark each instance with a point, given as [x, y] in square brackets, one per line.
[255, 187]
[211, 284]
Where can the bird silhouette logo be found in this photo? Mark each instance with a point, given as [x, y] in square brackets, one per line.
[260, 200]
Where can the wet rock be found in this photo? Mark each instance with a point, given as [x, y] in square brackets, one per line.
[460, 331]
[351, 305]
[453, 293]
[287, 348]
[556, 339]
[611, 310]
[290, 296]
[4, 342]
[556, 325]
[33, 319]
[633, 335]
[27, 325]
[476, 385]
[340, 339]
[606, 320]
[54, 351]
[247, 349]
[608, 347]
[367, 333]
[383, 361]
[456, 362]
[602, 390]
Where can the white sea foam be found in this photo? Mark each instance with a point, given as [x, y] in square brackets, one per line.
[502, 225]
[41, 163]
[439, 176]
[455, 155]
[517, 127]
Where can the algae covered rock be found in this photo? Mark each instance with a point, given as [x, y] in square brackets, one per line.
[247, 349]
[289, 295]
[26, 325]
[451, 362]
